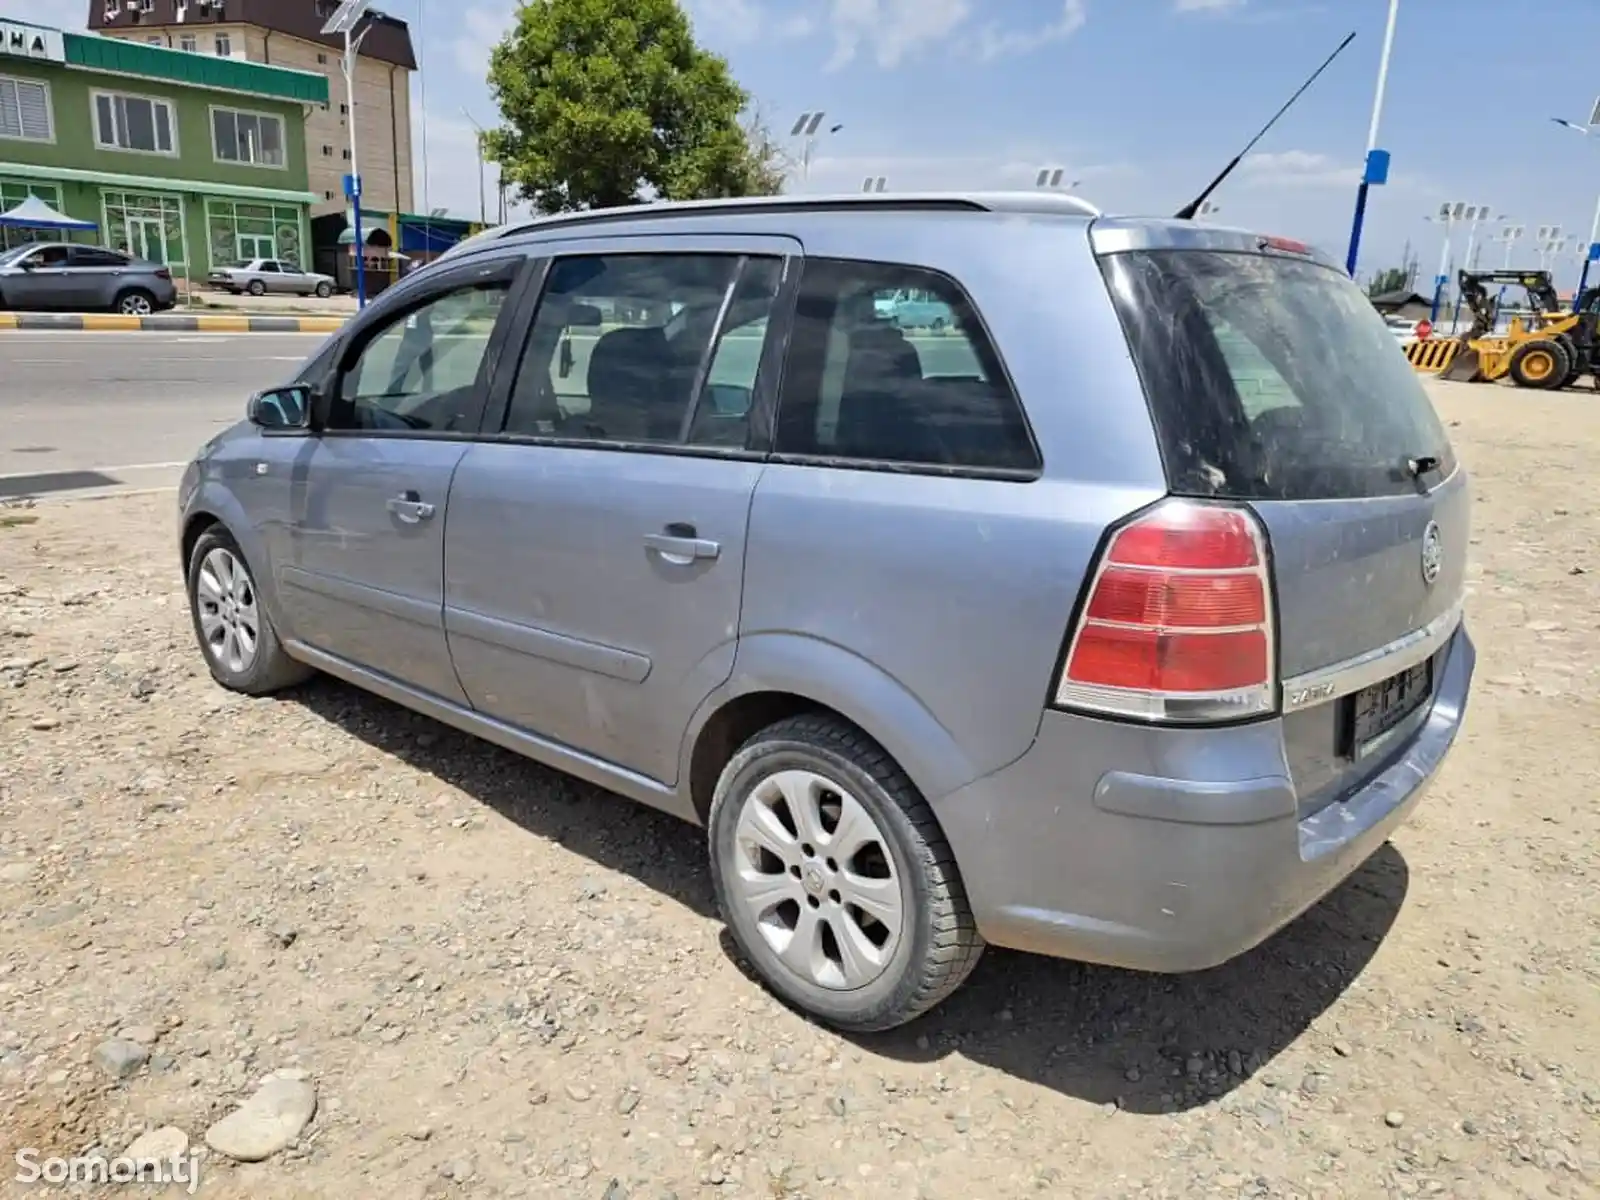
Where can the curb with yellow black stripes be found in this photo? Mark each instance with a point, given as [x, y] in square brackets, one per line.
[169, 323]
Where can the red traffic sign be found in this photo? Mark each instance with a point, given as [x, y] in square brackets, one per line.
[1424, 330]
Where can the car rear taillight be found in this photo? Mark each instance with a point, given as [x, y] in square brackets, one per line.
[163, 273]
[1178, 623]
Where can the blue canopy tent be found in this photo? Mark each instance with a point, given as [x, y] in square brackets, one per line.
[34, 214]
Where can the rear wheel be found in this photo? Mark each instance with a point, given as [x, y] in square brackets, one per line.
[136, 303]
[257, 288]
[1542, 364]
[834, 877]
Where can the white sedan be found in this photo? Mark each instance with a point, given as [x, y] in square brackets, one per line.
[262, 275]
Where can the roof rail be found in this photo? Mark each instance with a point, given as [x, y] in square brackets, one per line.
[1039, 203]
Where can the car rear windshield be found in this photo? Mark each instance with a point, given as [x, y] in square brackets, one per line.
[1272, 377]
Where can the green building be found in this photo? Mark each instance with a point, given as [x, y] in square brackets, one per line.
[184, 159]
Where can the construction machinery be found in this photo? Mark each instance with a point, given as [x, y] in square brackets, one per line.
[1553, 348]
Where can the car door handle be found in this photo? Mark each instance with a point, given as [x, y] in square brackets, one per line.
[410, 507]
[680, 545]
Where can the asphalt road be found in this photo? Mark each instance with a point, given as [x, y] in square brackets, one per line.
[85, 413]
[111, 411]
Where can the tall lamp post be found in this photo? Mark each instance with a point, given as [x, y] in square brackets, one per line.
[1375, 169]
[875, 183]
[483, 196]
[344, 24]
[808, 125]
[1593, 253]
[1449, 213]
[1474, 215]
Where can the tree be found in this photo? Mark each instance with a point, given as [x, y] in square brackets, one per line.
[611, 102]
[1393, 279]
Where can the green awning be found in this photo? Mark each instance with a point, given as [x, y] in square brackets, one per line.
[146, 182]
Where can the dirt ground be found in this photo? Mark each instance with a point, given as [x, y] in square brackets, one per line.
[505, 983]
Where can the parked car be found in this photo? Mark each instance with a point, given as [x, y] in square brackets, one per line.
[915, 309]
[64, 276]
[262, 275]
[1121, 623]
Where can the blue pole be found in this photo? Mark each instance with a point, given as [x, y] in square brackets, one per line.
[1583, 282]
[361, 258]
[1438, 297]
[1355, 228]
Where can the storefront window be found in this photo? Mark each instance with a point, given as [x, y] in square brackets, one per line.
[238, 232]
[145, 225]
[13, 193]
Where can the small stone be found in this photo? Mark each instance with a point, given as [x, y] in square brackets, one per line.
[421, 1133]
[538, 1095]
[1343, 1049]
[578, 1092]
[284, 935]
[837, 1105]
[458, 1170]
[1193, 1065]
[1133, 1074]
[615, 1191]
[145, 1035]
[627, 1102]
[1394, 1119]
[119, 1057]
[268, 1121]
[44, 724]
[1469, 1127]
[214, 960]
[166, 1143]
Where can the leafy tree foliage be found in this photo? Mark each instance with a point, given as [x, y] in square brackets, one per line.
[611, 102]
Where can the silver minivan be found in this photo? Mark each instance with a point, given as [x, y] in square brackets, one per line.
[1119, 620]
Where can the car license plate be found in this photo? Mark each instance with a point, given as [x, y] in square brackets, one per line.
[1378, 712]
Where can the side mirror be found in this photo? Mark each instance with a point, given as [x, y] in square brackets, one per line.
[281, 408]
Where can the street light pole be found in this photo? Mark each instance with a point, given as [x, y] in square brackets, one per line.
[344, 21]
[1592, 252]
[483, 196]
[1375, 169]
[808, 126]
[1475, 213]
[1449, 214]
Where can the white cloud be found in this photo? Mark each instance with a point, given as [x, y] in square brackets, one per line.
[482, 26]
[995, 42]
[1206, 6]
[1298, 169]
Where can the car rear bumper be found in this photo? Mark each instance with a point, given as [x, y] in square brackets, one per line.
[1174, 850]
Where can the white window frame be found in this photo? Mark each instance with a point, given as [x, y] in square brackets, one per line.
[188, 43]
[222, 44]
[283, 137]
[49, 110]
[172, 121]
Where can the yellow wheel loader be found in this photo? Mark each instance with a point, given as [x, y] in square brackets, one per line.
[1553, 349]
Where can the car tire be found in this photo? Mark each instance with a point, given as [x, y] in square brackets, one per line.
[770, 842]
[257, 288]
[324, 290]
[135, 302]
[223, 604]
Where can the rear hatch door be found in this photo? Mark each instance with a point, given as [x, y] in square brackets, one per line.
[1273, 381]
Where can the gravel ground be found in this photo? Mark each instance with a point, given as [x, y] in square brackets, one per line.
[489, 980]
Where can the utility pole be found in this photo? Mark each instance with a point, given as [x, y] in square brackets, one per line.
[483, 199]
[809, 126]
[343, 23]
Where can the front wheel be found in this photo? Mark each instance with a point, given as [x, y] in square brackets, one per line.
[324, 290]
[834, 877]
[257, 288]
[235, 634]
[1541, 363]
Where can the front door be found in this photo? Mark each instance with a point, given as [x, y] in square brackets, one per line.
[595, 560]
[362, 575]
[146, 239]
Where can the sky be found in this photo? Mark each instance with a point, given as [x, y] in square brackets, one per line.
[1139, 101]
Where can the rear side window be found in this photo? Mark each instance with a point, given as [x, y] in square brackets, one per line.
[890, 364]
[1271, 378]
[90, 256]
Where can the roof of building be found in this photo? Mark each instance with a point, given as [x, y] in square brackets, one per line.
[388, 38]
[91, 52]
